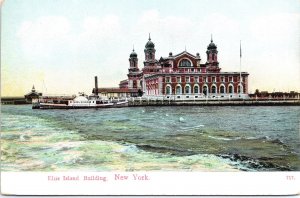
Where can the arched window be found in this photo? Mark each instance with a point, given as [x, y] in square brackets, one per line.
[196, 89]
[205, 90]
[222, 89]
[178, 89]
[168, 90]
[213, 89]
[133, 63]
[134, 84]
[230, 89]
[187, 89]
[185, 63]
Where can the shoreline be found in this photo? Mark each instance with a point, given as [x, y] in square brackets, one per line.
[139, 103]
[142, 102]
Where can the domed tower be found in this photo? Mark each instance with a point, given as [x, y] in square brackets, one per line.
[212, 57]
[149, 50]
[133, 61]
[133, 71]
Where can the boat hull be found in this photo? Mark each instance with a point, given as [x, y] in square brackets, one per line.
[62, 106]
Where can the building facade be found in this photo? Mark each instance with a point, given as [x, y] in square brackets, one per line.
[32, 95]
[183, 75]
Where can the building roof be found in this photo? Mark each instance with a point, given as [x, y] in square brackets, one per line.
[116, 90]
[212, 45]
[33, 94]
[149, 44]
[124, 81]
[184, 52]
[133, 54]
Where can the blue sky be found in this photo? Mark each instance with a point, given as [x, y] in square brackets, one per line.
[60, 45]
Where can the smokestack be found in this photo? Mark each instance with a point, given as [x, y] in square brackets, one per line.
[96, 85]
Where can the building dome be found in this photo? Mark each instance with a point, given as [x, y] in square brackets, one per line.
[212, 45]
[149, 44]
[133, 54]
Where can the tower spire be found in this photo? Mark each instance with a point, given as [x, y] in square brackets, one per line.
[149, 36]
[211, 38]
[133, 48]
[33, 88]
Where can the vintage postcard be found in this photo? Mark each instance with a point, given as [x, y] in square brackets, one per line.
[150, 97]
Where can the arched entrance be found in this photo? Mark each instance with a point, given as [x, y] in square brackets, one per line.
[168, 89]
[205, 90]
[196, 89]
[230, 89]
[222, 89]
[178, 89]
[213, 89]
[187, 89]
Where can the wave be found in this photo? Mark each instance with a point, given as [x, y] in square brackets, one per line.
[263, 139]
[246, 163]
[192, 127]
[219, 138]
[129, 149]
[167, 150]
[275, 141]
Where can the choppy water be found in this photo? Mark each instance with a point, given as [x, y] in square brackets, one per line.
[151, 138]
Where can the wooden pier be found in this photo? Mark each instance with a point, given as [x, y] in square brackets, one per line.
[18, 100]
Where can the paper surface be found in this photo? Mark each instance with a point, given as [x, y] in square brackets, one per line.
[56, 48]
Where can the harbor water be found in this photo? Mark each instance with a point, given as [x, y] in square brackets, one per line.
[179, 138]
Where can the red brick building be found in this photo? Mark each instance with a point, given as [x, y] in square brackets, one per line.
[183, 75]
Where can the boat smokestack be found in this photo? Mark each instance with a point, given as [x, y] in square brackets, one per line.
[96, 85]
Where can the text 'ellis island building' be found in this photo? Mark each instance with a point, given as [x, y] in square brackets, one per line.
[180, 76]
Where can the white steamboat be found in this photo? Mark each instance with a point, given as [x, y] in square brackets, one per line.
[77, 102]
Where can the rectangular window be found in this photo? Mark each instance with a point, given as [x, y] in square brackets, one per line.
[187, 79]
[196, 79]
[168, 79]
[205, 79]
[214, 79]
[178, 79]
[230, 79]
[223, 79]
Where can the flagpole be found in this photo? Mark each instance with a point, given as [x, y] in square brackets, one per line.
[240, 67]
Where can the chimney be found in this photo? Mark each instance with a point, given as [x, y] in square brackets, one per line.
[96, 85]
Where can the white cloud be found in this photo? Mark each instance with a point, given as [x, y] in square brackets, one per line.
[52, 36]
[152, 21]
[176, 32]
[276, 27]
[44, 28]
[106, 27]
[220, 25]
[166, 29]
[40, 38]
